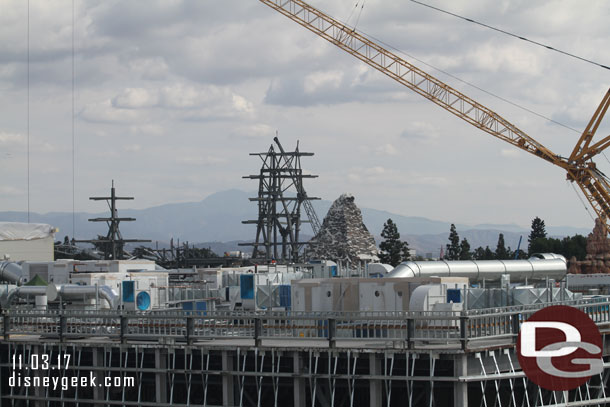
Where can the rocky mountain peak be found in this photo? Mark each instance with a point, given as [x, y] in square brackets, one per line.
[343, 236]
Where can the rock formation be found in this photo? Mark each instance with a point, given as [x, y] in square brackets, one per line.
[343, 236]
[597, 259]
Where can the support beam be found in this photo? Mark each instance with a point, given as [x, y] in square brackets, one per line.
[460, 388]
[299, 384]
[228, 385]
[161, 375]
[375, 386]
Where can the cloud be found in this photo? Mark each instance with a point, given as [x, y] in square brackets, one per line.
[135, 98]
[105, 112]
[255, 131]
[510, 153]
[10, 190]
[8, 140]
[132, 148]
[147, 130]
[421, 132]
[386, 149]
[201, 160]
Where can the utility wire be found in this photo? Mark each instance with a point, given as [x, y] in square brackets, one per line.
[73, 156]
[471, 84]
[28, 109]
[512, 35]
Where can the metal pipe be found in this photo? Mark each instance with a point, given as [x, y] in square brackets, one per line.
[30, 291]
[11, 272]
[75, 291]
[536, 267]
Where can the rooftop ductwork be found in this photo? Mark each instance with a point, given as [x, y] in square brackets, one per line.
[65, 292]
[75, 291]
[30, 291]
[11, 272]
[537, 267]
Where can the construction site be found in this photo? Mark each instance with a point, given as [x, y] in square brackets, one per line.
[294, 319]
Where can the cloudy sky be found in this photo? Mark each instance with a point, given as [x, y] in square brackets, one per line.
[172, 95]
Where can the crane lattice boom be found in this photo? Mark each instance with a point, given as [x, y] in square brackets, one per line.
[579, 166]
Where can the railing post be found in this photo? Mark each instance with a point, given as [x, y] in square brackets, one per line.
[463, 330]
[515, 323]
[258, 330]
[62, 327]
[124, 328]
[6, 326]
[190, 329]
[410, 332]
[332, 332]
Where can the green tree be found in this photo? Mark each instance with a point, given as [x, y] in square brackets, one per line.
[478, 253]
[501, 252]
[465, 253]
[393, 250]
[538, 231]
[488, 254]
[570, 246]
[453, 248]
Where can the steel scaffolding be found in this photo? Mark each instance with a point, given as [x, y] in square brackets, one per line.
[205, 358]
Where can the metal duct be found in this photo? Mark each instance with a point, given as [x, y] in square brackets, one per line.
[539, 266]
[75, 291]
[30, 291]
[11, 272]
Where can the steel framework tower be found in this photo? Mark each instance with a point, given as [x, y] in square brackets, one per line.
[281, 196]
[113, 244]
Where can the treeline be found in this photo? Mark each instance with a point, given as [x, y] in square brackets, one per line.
[393, 250]
[538, 242]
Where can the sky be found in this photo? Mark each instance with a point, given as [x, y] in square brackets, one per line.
[171, 96]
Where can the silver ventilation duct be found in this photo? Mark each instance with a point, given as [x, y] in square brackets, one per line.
[75, 291]
[11, 272]
[66, 292]
[539, 266]
[30, 291]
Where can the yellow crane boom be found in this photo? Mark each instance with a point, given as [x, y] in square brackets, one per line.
[579, 166]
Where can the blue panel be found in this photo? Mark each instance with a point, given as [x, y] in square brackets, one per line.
[454, 295]
[187, 306]
[143, 301]
[333, 271]
[201, 306]
[128, 291]
[285, 300]
[246, 286]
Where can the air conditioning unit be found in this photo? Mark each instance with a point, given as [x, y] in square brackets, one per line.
[135, 299]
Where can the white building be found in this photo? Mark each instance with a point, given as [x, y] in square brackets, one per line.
[27, 241]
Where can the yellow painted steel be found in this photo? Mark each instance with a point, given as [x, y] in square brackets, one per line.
[579, 166]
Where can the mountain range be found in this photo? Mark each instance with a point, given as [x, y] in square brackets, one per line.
[217, 219]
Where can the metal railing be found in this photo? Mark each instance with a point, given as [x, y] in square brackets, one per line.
[465, 330]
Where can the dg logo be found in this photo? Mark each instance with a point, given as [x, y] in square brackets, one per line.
[560, 348]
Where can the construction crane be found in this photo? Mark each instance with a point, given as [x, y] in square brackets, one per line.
[579, 165]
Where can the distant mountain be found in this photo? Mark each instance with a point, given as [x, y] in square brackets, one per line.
[217, 219]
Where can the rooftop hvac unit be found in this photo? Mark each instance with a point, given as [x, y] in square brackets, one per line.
[135, 299]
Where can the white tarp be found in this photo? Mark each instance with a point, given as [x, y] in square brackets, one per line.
[25, 231]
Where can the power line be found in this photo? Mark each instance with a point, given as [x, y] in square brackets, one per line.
[73, 155]
[28, 109]
[512, 35]
[471, 84]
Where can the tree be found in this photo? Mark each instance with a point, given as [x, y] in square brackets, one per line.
[453, 248]
[501, 252]
[479, 253]
[393, 250]
[571, 246]
[465, 250]
[538, 231]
